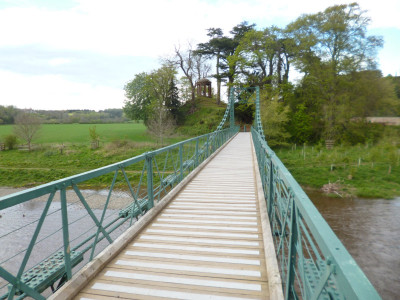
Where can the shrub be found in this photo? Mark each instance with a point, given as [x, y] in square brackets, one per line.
[10, 141]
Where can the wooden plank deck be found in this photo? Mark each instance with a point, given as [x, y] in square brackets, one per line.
[206, 244]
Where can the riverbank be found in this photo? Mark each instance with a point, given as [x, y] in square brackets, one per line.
[49, 163]
[362, 171]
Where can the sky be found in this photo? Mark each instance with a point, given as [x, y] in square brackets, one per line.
[79, 54]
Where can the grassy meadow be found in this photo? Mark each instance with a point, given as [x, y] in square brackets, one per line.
[62, 150]
[364, 171]
[79, 133]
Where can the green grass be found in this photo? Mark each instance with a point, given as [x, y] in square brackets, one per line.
[205, 119]
[117, 142]
[79, 133]
[47, 162]
[369, 172]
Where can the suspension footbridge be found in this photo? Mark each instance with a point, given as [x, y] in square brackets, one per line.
[214, 217]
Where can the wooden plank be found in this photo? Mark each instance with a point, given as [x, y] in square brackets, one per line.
[119, 289]
[226, 285]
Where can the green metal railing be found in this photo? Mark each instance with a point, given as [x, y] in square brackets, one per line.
[313, 262]
[79, 225]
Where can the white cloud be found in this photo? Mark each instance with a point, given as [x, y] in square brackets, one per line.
[135, 28]
[126, 27]
[55, 92]
[59, 61]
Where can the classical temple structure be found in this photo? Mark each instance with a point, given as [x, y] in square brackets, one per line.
[203, 87]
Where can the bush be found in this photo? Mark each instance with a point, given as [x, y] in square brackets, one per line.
[10, 141]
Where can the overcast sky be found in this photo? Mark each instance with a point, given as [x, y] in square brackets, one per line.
[78, 54]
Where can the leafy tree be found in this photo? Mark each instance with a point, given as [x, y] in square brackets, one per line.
[255, 57]
[27, 126]
[139, 96]
[214, 49]
[160, 83]
[7, 114]
[264, 57]
[244, 113]
[221, 47]
[229, 68]
[301, 125]
[172, 102]
[94, 136]
[335, 44]
[275, 116]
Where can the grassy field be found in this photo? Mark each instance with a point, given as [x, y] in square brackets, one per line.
[362, 171]
[50, 161]
[79, 133]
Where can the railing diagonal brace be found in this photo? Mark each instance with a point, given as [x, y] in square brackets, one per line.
[131, 190]
[323, 280]
[90, 212]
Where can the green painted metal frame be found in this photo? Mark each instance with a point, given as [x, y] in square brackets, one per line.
[314, 264]
[181, 159]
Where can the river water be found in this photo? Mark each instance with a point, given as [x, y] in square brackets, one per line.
[369, 229]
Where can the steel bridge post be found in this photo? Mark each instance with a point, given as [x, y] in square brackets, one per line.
[291, 263]
[181, 161]
[271, 187]
[149, 167]
[232, 108]
[197, 152]
[64, 215]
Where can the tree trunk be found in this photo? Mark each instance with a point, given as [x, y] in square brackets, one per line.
[279, 68]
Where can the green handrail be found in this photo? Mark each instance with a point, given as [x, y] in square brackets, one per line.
[313, 263]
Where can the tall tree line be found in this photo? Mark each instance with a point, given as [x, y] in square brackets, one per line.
[331, 54]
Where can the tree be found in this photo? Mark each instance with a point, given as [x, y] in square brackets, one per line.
[7, 114]
[163, 92]
[300, 125]
[94, 136]
[255, 57]
[172, 102]
[187, 63]
[185, 91]
[201, 67]
[263, 57]
[160, 83]
[27, 126]
[214, 48]
[161, 123]
[221, 47]
[335, 44]
[138, 92]
[238, 32]
[275, 116]
[145, 89]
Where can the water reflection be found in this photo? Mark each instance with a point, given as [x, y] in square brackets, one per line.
[370, 230]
